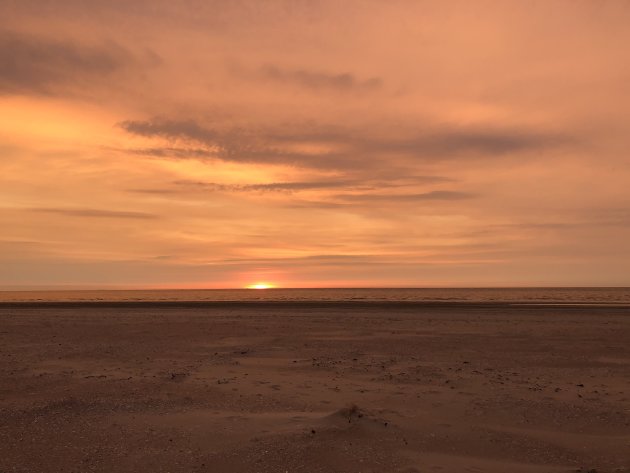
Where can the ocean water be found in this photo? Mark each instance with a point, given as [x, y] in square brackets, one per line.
[582, 296]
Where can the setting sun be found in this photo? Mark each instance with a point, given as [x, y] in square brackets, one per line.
[260, 285]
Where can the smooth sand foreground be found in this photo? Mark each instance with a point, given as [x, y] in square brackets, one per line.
[314, 388]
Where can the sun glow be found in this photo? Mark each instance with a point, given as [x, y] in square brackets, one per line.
[260, 285]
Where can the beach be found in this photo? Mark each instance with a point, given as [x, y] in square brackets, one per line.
[314, 387]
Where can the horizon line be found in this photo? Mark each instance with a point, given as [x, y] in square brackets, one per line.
[153, 288]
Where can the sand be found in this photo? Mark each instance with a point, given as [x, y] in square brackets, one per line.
[314, 388]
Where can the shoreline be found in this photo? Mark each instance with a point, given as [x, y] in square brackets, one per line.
[303, 304]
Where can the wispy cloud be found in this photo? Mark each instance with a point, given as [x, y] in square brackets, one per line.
[434, 195]
[297, 186]
[173, 129]
[176, 153]
[270, 187]
[96, 213]
[40, 65]
[318, 80]
[340, 149]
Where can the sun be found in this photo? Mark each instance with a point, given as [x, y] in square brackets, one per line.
[260, 285]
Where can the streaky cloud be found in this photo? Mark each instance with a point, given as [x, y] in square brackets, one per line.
[317, 80]
[271, 186]
[295, 186]
[176, 153]
[341, 149]
[433, 195]
[32, 64]
[95, 213]
[174, 129]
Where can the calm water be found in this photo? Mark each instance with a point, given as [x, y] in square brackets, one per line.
[512, 295]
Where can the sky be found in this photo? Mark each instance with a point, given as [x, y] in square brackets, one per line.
[214, 144]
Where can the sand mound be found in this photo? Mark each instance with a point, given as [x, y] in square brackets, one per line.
[350, 413]
[353, 414]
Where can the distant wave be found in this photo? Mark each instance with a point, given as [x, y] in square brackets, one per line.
[546, 296]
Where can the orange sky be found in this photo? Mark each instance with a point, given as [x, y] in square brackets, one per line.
[314, 143]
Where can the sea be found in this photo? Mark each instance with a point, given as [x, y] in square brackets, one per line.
[541, 296]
